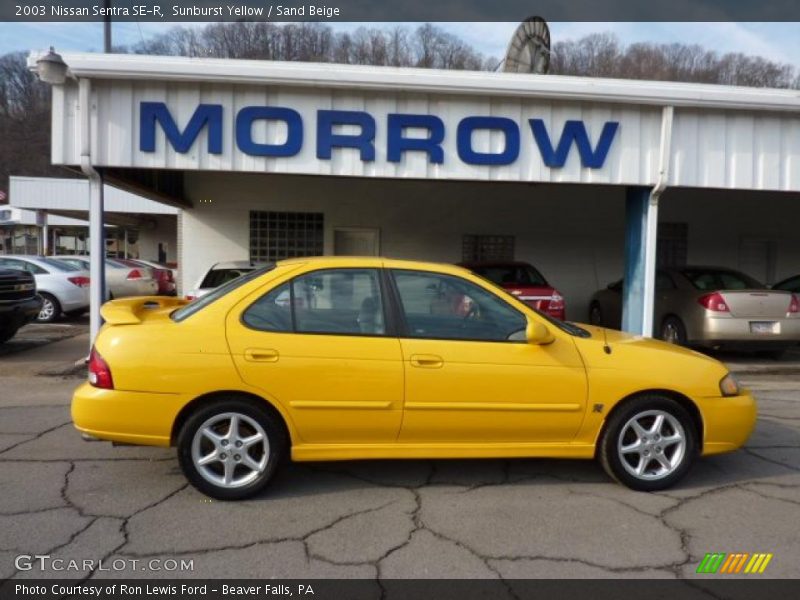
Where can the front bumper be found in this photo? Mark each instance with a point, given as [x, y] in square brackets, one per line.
[17, 314]
[144, 418]
[728, 422]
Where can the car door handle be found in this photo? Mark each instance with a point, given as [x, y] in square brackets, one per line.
[261, 355]
[426, 361]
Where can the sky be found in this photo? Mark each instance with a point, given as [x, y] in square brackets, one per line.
[775, 41]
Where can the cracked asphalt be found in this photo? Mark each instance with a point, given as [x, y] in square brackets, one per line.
[391, 519]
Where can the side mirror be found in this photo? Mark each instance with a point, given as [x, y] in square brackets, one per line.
[539, 334]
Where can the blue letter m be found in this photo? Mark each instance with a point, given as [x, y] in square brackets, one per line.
[574, 131]
[206, 114]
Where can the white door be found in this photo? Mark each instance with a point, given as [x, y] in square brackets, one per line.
[356, 241]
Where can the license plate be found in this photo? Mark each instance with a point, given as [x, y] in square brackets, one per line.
[764, 327]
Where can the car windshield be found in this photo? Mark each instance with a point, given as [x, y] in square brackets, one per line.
[200, 303]
[721, 279]
[58, 265]
[216, 277]
[511, 275]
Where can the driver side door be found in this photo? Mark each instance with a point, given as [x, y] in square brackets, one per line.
[470, 374]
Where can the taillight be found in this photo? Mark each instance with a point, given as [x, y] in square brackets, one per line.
[135, 274]
[714, 302]
[99, 372]
[80, 281]
[190, 297]
[556, 302]
[794, 305]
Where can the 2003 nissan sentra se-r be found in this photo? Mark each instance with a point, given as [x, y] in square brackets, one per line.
[366, 358]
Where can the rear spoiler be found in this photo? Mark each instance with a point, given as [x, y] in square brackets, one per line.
[129, 311]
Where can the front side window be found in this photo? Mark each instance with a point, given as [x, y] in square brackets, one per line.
[445, 307]
[334, 301]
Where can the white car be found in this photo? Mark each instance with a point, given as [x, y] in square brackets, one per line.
[64, 288]
[121, 280]
[218, 274]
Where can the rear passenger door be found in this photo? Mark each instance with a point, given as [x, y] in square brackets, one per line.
[320, 344]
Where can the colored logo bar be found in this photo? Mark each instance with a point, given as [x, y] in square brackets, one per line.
[737, 562]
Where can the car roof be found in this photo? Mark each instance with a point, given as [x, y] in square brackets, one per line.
[374, 262]
[494, 263]
[233, 264]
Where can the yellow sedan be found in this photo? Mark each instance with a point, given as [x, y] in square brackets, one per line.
[341, 358]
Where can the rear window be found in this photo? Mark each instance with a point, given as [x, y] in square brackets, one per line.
[218, 277]
[200, 303]
[720, 279]
[511, 275]
[58, 265]
[790, 285]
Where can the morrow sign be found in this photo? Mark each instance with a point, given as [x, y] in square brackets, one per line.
[423, 133]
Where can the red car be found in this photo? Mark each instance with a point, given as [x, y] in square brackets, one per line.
[523, 281]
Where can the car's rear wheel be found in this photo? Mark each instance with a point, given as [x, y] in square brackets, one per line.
[595, 314]
[51, 309]
[673, 331]
[229, 449]
[649, 444]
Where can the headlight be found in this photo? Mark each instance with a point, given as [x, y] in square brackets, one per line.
[729, 386]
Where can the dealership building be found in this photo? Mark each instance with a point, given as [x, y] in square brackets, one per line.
[587, 179]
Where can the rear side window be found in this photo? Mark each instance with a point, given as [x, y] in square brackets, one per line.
[332, 301]
[218, 277]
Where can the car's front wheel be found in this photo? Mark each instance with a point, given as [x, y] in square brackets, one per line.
[229, 449]
[50, 310]
[649, 444]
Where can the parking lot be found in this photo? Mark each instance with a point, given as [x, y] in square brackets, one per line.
[71, 499]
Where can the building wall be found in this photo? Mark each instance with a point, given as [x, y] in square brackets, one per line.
[164, 232]
[564, 230]
[573, 234]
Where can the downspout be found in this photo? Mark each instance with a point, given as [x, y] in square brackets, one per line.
[96, 233]
[651, 233]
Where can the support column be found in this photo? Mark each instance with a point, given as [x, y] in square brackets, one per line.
[97, 254]
[641, 232]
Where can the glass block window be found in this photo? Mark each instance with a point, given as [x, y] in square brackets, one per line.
[672, 248]
[487, 247]
[278, 235]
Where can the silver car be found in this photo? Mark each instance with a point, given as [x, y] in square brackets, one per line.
[64, 288]
[218, 274]
[711, 307]
[122, 281]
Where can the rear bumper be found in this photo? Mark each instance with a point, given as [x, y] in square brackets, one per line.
[729, 331]
[727, 422]
[144, 418]
[72, 299]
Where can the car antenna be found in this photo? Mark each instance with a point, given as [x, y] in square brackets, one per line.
[606, 347]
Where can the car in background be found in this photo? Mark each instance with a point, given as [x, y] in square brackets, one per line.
[523, 281]
[19, 302]
[790, 284]
[163, 275]
[218, 274]
[122, 281]
[64, 288]
[711, 307]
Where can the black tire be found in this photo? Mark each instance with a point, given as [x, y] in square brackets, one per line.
[595, 314]
[250, 414]
[51, 309]
[618, 428]
[673, 331]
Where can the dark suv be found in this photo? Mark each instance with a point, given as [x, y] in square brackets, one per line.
[19, 302]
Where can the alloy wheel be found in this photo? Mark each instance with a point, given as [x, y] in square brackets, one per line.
[48, 309]
[652, 445]
[670, 333]
[230, 450]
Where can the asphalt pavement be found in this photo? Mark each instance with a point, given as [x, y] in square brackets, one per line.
[132, 509]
